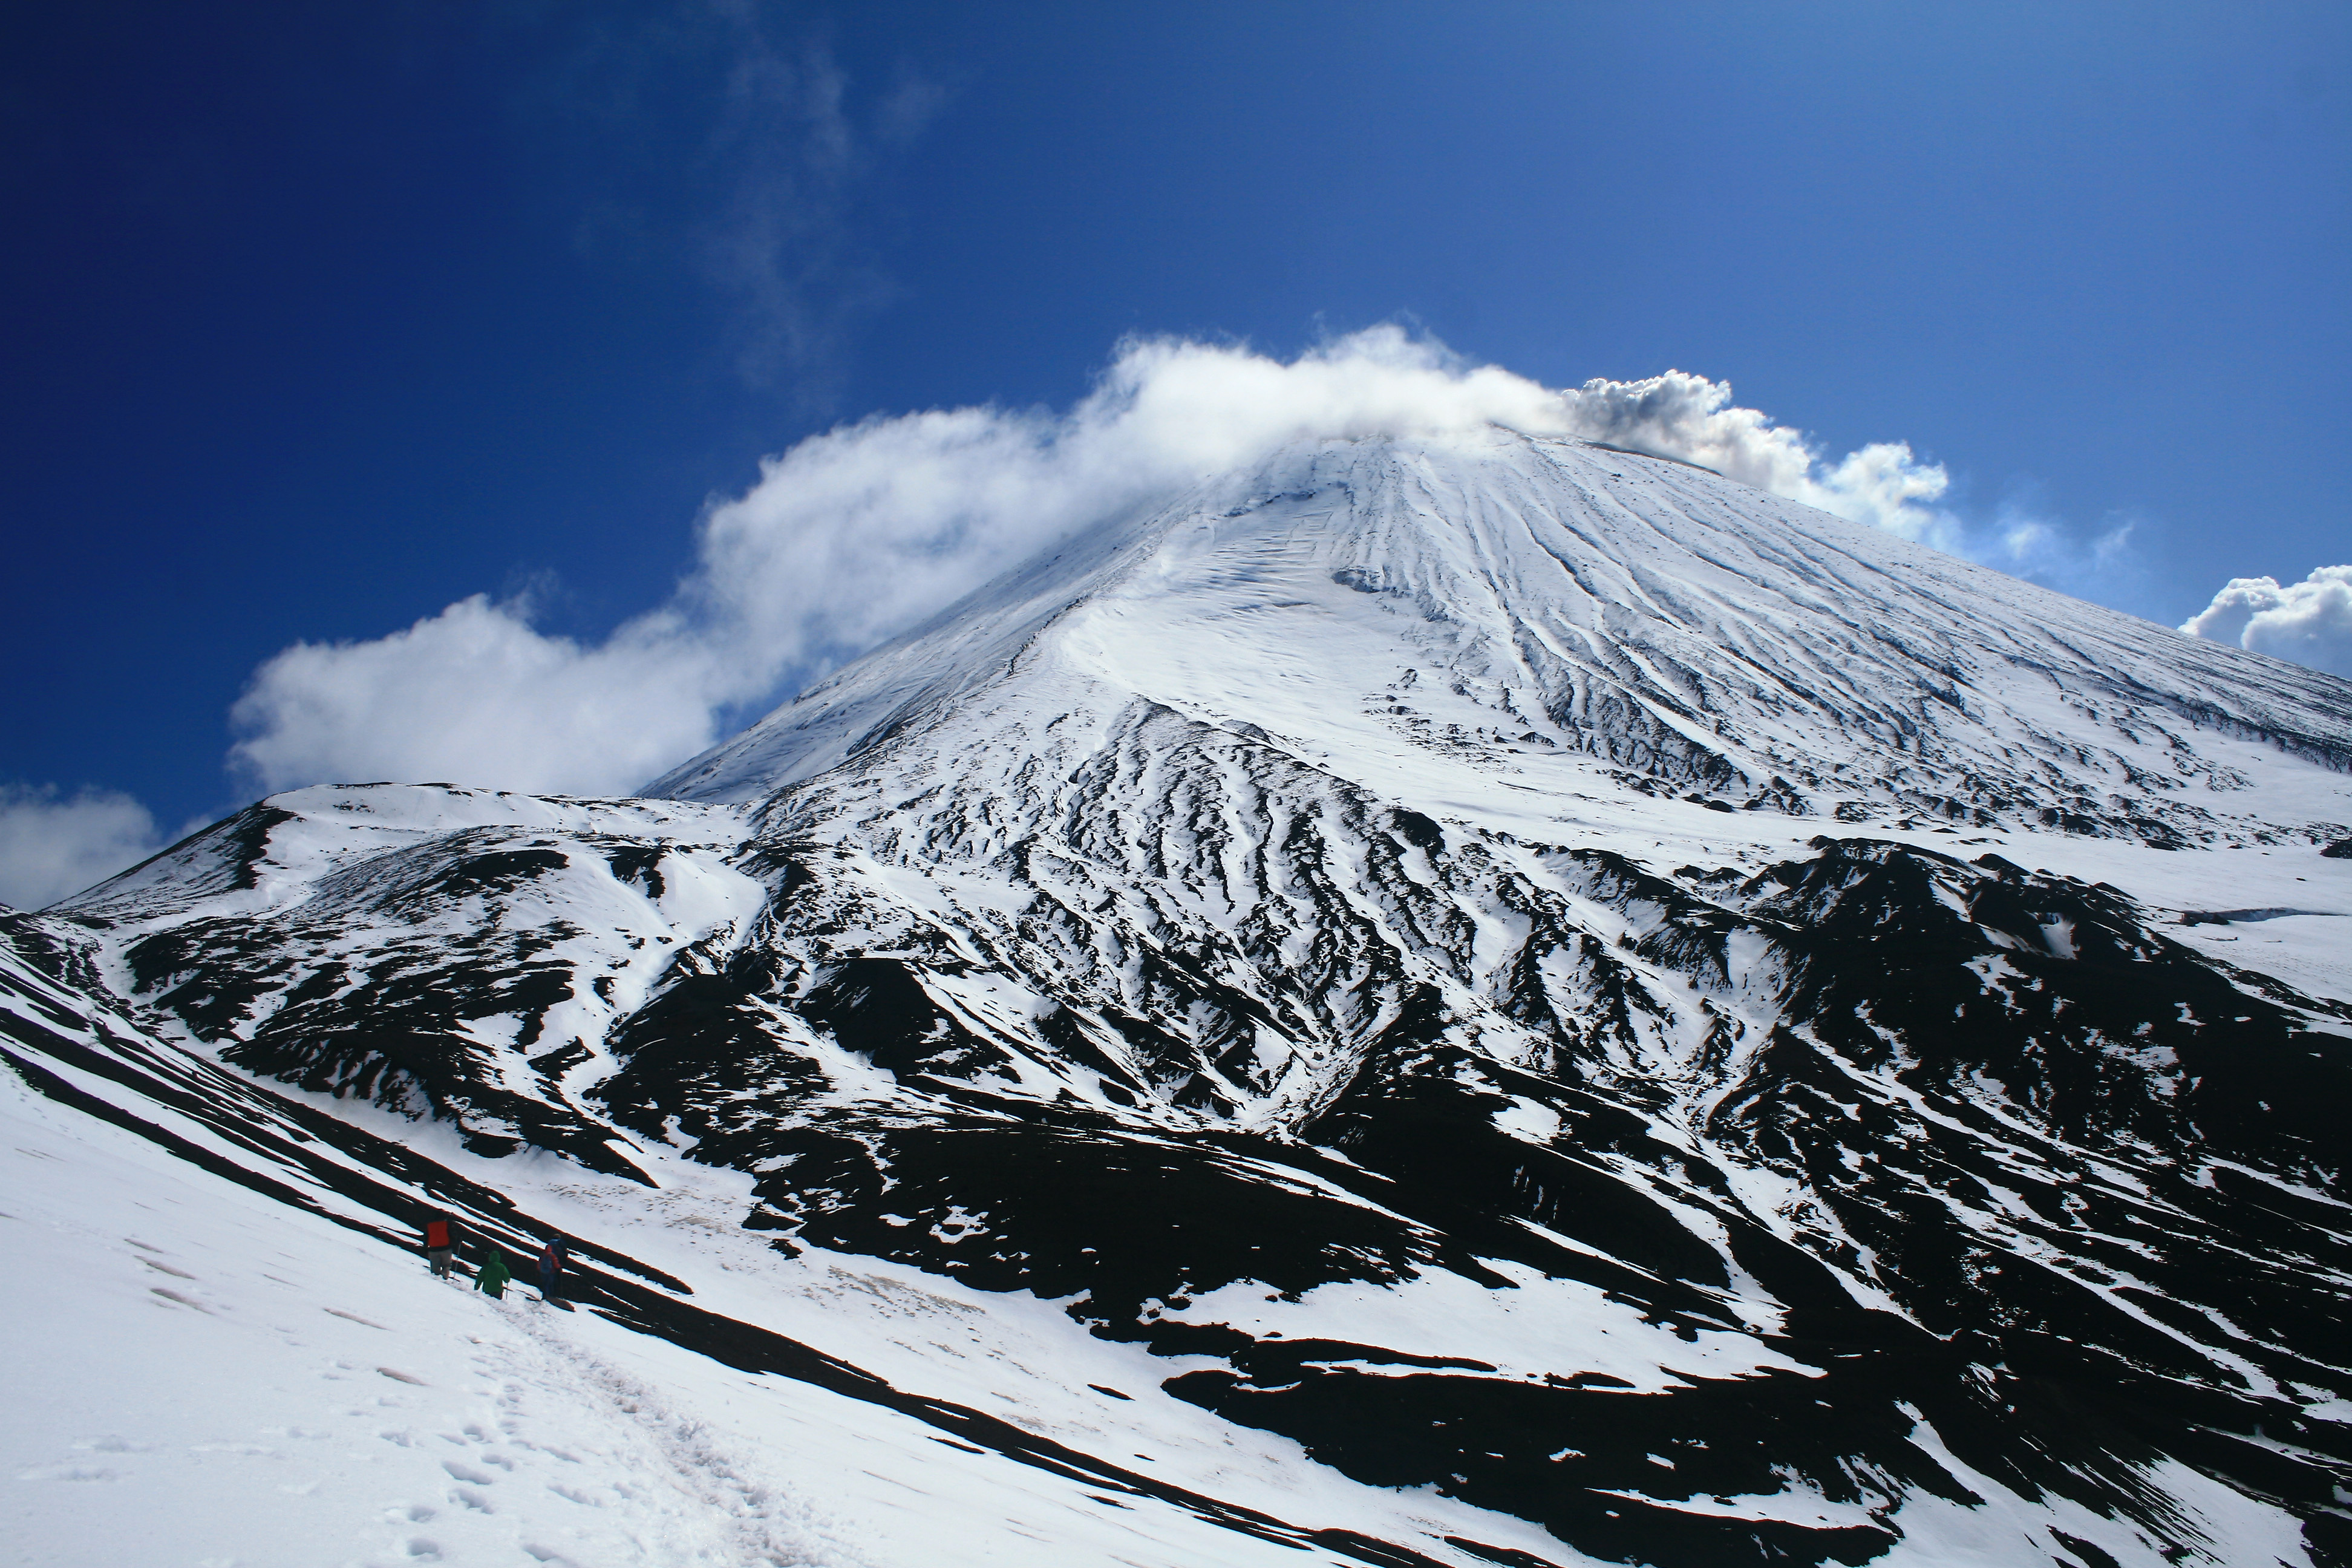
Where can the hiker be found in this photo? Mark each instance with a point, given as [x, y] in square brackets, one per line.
[491, 1279]
[440, 1244]
[551, 1267]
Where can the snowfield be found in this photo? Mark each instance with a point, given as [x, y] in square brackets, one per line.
[1477, 1000]
[261, 1385]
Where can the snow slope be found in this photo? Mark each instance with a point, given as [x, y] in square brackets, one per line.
[277, 1385]
[1468, 1000]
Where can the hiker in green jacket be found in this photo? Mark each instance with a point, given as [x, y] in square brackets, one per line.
[492, 1279]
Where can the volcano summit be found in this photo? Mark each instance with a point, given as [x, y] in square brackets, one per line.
[1471, 999]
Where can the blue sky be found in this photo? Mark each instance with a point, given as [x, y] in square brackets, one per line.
[322, 318]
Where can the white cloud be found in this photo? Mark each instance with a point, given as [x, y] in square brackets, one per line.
[1688, 417]
[861, 532]
[474, 696]
[1885, 484]
[52, 846]
[2309, 622]
[2103, 567]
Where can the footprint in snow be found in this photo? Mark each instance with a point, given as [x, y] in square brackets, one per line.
[67, 1473]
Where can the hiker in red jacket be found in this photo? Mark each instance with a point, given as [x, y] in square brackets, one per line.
[551, 1267]
[440, 1242]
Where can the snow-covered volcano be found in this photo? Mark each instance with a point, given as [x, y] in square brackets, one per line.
[1464, 1000]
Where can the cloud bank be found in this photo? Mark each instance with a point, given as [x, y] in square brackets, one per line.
[857, 535]
[2309, 622]
[52, 846]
